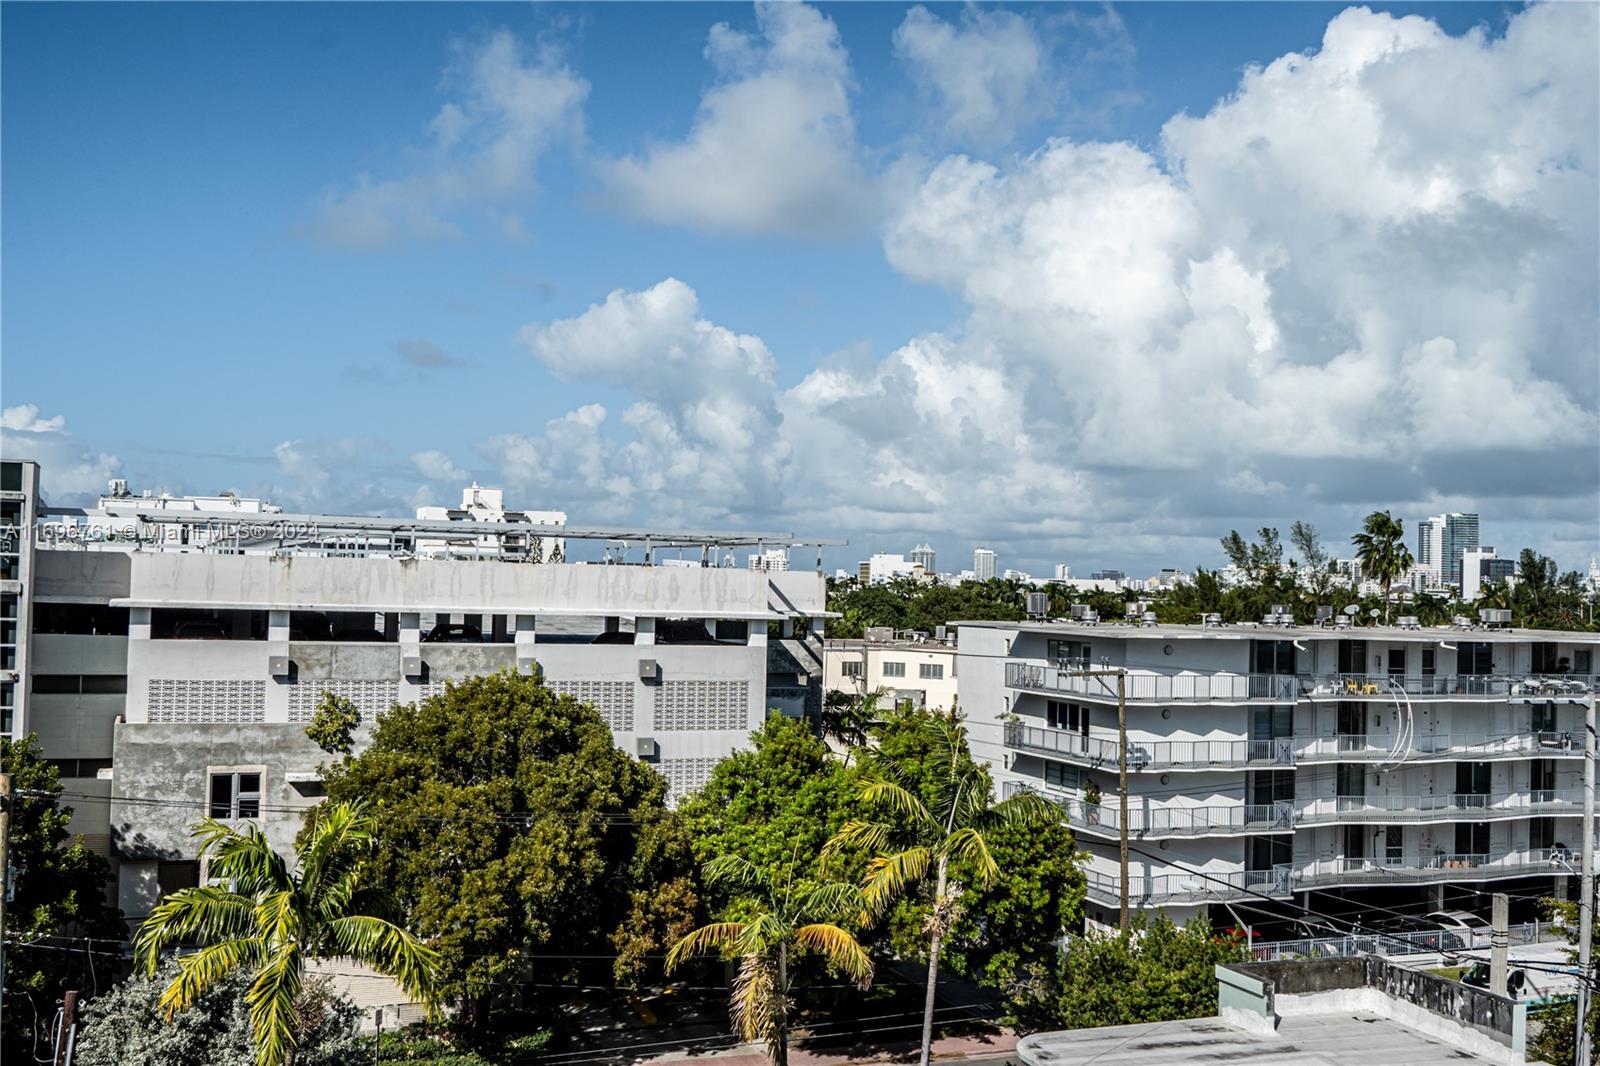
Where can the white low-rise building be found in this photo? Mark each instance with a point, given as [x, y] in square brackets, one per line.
[171, 679]
[1279, 762]
[907, 668]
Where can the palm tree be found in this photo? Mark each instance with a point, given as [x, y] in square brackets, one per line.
[1382, 552]
[255, 914]
[848, 718]
[781, 921]
[930, 835]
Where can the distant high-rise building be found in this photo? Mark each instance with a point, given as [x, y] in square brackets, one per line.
[1109, 575]
[923, 554]
[983, 564]
[1440, 541]
[773, 560]
[1481, 565]
[1063, 572]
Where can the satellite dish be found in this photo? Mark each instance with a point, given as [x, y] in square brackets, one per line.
[1374, 612]
[1352, 610]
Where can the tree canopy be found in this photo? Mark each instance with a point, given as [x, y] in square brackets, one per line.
[59, 893]
[517, 836]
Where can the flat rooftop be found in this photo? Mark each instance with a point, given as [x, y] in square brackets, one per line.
[1347, 1039]
[1119, 630]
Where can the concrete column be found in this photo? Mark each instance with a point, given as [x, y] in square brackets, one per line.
[644, 631]
[139, 623]
[523, 638]
[410, 644]
[277, 627]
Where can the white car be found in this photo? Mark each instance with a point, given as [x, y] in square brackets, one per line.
[1463, 923]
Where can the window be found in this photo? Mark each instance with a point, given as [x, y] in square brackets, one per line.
[1475, 657]
[1270, 786]
[1272, 657]
[1068, 716]
[236, 794]
[81, 767]
[1541, 833]
[1352, 656]
[73, 684]
[1546, 659]
[1267, 852]
[850, 668]
[1582, 660]
[1066, 650]
[1394, 845]
[1472, 838]
[931, 671]
[10, 477]
[1351, 779]
[1472, 779]
[1060, 775]
[1542, 775]
[1397, 662]
[891, 668]
[1355, 841]
[80, 618]
[1544, 718]
[1428, 656]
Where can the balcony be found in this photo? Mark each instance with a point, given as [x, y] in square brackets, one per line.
[1145, 686]
[1156, 687]
[1362, 747]
[1207, 887]
[1448, 807]
[1089, 751]
[1417, 869]
[1148, 822]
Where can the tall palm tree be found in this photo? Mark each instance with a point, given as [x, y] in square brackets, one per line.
[929, 835]
[1381, 550]
[781, 921]
[256, 914]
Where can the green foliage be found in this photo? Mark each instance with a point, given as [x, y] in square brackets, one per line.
[1556, 1039]
[1158, 971]
[60, 889]
[127, 1026]
[776, 804]
[1381, 550]
[257, 917]
[333, 726]
[518, 837]
[907, 604]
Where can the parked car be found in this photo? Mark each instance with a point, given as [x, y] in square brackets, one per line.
[200, 629]
[1463, 923]
[453, 633]
[360, 636]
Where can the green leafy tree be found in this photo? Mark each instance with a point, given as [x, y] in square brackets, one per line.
[128, 1026]
[1157, 971]
[1382, 552]
[775, 804]
[933, 825]
[779, 920]
[59, 890]
[517, 837]
[1558, 1022]
[258, 916]
[849, 718]
[333, 725]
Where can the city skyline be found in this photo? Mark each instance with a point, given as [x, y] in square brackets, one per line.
[514, 254]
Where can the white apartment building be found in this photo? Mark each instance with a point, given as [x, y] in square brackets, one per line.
[883, 566]
[982, 564]
[1480, 566]
[170, 679]
[924, 556]
[773, 560]
[1391, 764]
[908, 668]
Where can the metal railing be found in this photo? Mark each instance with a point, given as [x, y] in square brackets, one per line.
[1151, 889]
[1166, 821]
[1149, 754]
[1363, 747]
[1415, 869]
[1231, 687]
[1443, 807]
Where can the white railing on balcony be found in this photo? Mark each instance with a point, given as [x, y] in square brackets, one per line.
[1168, 819]
[1146, 890]
[1158, 687]
[1446, 866]
[1362, 747]
[1229, 687]
[1149, 754]
[1443, 807]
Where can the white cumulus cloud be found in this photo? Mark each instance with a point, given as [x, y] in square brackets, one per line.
[987, 74]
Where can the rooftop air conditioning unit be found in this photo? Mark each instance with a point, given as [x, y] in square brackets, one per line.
[1038, 604]
[1212, 619]
[1081, 611]
[1324, 614]
[1410, 621]
[1341, 621]
[1148, 618]
[1134, 610]
[1461, 621]
[940, 633]
[882, 634]
[1494, 616]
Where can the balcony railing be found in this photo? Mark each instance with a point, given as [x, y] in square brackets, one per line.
[1225, 687]
[1168, 820]
[1417, 869]
[1363, 747]
[1155, 889]
[1442, 807]
[1149, 755]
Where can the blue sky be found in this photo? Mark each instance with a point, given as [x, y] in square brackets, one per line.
[175, 293]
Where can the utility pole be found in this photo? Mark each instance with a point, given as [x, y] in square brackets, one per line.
[1499, 944]
[1581, 1055]
[5, 875]
[68, 1035]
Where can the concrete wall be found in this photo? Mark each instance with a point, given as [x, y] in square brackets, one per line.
[381, 584]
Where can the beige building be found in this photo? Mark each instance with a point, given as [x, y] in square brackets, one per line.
[909, 667]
